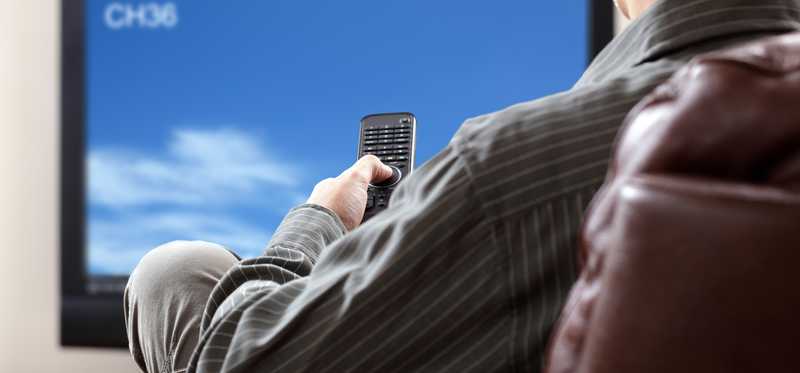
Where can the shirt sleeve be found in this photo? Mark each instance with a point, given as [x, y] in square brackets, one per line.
[424, 261]
[291, 254]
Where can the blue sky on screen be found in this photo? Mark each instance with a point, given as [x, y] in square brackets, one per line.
[211, 125]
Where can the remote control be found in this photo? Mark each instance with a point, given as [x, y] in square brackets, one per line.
[391, 137]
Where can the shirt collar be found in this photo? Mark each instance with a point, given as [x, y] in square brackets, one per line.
[672, 26]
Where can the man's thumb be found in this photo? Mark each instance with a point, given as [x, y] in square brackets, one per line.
[381, 172]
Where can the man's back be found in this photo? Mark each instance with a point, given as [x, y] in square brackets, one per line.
[469, 267]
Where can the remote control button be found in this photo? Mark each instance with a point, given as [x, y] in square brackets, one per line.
[402, 158]
[399, 146]
[370, 201]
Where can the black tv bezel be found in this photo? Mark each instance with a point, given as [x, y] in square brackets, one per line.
[97, 320]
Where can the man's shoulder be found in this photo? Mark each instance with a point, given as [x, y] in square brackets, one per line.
[618, 94]
[542, 148]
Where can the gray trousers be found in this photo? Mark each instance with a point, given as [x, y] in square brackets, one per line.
[165, 298]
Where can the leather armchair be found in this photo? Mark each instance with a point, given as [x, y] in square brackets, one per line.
[691, 250]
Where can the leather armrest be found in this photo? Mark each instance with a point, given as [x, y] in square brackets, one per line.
[667, 301]
[692, 245]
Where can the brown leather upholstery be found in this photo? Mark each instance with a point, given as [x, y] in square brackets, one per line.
[692, 247]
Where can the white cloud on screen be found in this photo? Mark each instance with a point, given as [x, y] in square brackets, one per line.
[119, 243]
[200, 167]
[193, 189]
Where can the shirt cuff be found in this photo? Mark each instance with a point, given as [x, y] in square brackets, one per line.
[308, 228]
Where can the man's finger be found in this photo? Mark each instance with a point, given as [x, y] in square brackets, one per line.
[373, 169]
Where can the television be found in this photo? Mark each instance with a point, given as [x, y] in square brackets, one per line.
[208, 120]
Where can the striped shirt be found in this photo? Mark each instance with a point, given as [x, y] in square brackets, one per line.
[469, 267]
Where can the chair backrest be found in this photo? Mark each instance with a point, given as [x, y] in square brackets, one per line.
[691, 249]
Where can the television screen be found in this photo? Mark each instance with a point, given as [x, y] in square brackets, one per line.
[209, 120]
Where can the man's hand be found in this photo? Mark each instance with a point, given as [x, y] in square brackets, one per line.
[346, 195]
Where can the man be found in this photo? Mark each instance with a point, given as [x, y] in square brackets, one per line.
[469, 267]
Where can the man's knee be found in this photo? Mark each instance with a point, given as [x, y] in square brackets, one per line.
[180, 265]
[165, 297]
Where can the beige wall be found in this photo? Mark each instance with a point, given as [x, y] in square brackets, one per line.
[28, 196]
[28, 187]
